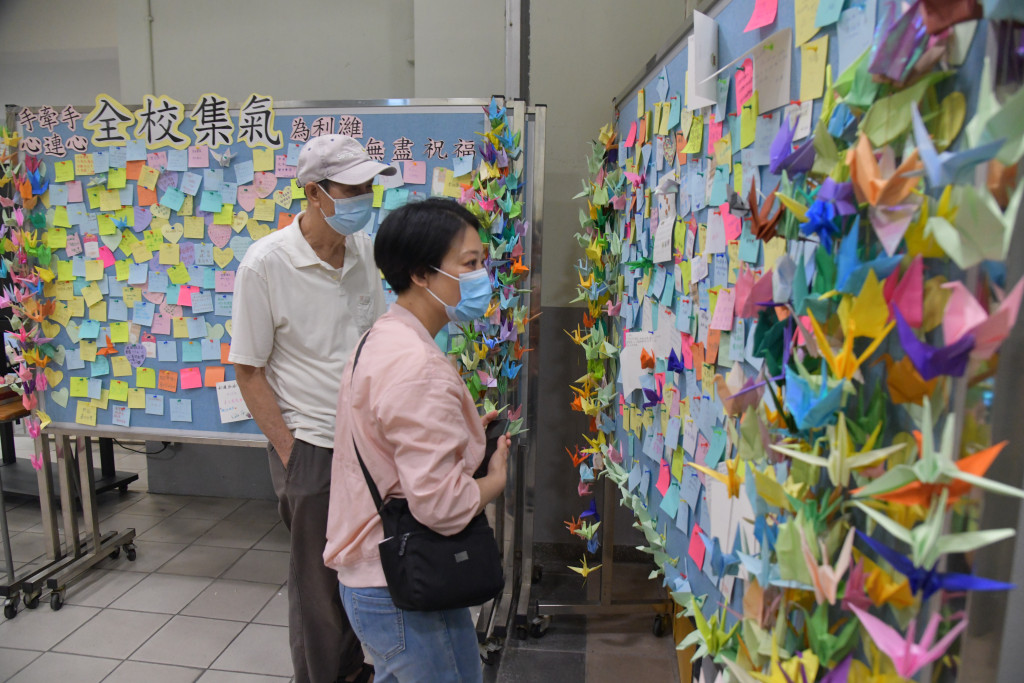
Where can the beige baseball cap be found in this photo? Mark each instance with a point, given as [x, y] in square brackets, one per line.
[339, 158]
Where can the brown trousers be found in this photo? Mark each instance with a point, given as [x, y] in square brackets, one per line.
[324, 647]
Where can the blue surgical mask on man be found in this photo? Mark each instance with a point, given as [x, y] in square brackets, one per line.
[474, 295]
[351, 214]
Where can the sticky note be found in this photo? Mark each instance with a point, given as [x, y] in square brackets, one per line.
[168, 380]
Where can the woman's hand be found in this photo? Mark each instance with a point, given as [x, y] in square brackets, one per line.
[489, 418]
[498, 466]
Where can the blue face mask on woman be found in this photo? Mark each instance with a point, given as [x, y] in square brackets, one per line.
[350, 214]
[474, 295]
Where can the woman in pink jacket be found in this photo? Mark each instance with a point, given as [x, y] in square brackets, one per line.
[419, 435]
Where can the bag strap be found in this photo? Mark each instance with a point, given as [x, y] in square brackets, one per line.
[374, 491]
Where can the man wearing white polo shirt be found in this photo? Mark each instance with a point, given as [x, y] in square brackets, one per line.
[303, 297]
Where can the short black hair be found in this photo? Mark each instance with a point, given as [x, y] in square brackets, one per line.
[414, 238]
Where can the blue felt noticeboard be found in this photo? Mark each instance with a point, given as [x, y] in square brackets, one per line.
[687, 504]
[439, 138]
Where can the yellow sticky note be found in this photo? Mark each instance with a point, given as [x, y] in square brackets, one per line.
[63, 171]
[105, 222]
[813, 60]
[773, 251]
[145, 378]
[178, 274]
[195, 228]
[122, 268]
[93, 270]
[748, 121]
[169, 255]
[641, 105]
[378, 196]
[88, 350]
[116, 178]
[180, 327]
[264, 210]
[57, 238]
[93, 194]
[120, 366]
[98, 311]
[148, 177]
[695, 139]
[737, 178]
[60, 217]
[153, 239]
[141, 253]
[262, 159]
[656, 123]
[110, 200]
[119, 332]
[677, 463]
[298, 191]
[136, 398]
[85, 413]
[805, 12]
[79, 387]
[101, 402]
[118, 390]
[83, 164]
[723, 150]
[734, 260]
[663, 124]
[131, 296]
[225, 216]
[77, 306]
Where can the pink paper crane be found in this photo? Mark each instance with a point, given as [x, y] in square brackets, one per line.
[907, 656]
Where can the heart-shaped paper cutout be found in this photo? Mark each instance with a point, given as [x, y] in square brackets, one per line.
[257, 230]
[220, 235]
[283, 198]
[50, 330]
[136, 354]
[227, 326]
[239, 221]
[58, 355]
[173, 233]
[744, 83]
[53, 377]
[60, 397]
[165, 181]
[156, 298]
[143, 217]
[247, 197]
[222, 257]
[171, 310]
[240, 244]
[264, 183]
[214, 332]
[72, 328]
[112, 241]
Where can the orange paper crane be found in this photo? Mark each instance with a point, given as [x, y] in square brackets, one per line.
[731, 478]
[920, 493]
[577, 457]
[107, 350]
[762, 222]
[868, 182]
[646, 359]
[572, 525]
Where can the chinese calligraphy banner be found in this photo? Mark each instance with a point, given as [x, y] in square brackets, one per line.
[149, 210]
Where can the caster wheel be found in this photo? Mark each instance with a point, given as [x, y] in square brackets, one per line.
[32, 601]
[490, 653]
[538, 573]
[10, 610]
[56, 600]
[539, 626]
[129, 551]
[522, 633]
[123, 489]
[115, 553]
[660, 626]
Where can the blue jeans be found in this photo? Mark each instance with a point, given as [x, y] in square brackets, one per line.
[413, 646]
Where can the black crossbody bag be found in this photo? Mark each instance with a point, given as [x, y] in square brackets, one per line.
[425, 570]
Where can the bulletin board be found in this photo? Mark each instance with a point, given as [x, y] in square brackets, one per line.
[778, 377]
[148, 210]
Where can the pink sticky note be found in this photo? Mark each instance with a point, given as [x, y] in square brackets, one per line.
[733, 224]
[282, 169]
[664, 478]
[157, 160]
[199, 157]
[631, 138]
[107, 257]
[687, 350]
[714, 134]
[744, 83]
[697, 549]
[161, 324]
[722, 319]
[703, 446]
[191, 378]
[224, 281]
[74, 191]
[763, 14]
[185, 295]
[414, 172]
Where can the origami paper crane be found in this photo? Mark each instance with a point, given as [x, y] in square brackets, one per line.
[909, 656]
[782, 155]
[584, 570]
[825, 577]
[904, 382]
[762, 221]
[829, 647]
[851, 271]
[730, 479]
[949, 168]
[965, 316]
[980, 230]
[933, 361]
[929, 581]
[994, 121]
[901, 43]
[881, 184]
[801, 667]
[735, 391]
[842, 460]
[710, 637]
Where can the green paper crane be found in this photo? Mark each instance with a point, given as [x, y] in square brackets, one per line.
[710, 636]
[829, 647]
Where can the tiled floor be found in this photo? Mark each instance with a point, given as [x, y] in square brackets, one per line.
[206, 600]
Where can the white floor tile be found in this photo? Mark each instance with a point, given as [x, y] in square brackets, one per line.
[189, 641]
[236, 600]
[55, 666]
[166, 593]
[258, 649]
[133, 672]
[112, 633]
[42, 628]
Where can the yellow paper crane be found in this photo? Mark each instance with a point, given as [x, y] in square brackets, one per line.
[732, 478]
[864, 315]
[585, 571]
[842, 459]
